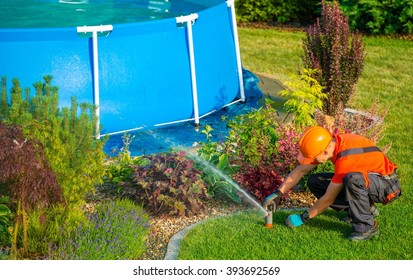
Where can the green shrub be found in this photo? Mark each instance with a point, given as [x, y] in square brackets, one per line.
[301, 11]
[5, 222]
[51, 227]
[117, 230]
[329, 48]
[304, 96]
[119, 169]
[253, 136]
[67, 135]
[263, 148]
[380, 17]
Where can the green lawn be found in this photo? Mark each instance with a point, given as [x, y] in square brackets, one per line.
[387, 75]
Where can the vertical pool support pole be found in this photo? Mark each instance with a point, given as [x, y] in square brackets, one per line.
[189, 20]
[231, 4]
[96, 95]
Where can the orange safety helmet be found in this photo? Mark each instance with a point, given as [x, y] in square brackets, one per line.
[313, 142]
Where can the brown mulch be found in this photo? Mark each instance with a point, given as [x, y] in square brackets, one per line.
[162, 229]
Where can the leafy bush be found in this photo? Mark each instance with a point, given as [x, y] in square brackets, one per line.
[67, 135]
[277, 11]
[119, 169]
[380, 17]
[117, 230]
[170, 184]
[304, 96]
[263, 179]
[5, 222]
[328, 47]
[253, 136]
[26, 178]
[50, 228]
[263, 149]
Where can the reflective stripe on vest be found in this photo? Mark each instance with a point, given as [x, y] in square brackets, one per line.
[355, 151]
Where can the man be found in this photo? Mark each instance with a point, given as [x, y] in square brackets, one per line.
[362, 176]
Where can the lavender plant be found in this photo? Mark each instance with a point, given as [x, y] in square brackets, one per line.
[117, 230]
[337, 53]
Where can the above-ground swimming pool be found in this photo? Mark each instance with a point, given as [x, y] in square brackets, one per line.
[144, 63]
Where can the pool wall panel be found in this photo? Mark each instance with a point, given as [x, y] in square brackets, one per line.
[144, 67]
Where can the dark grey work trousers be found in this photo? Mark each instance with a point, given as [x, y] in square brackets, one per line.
[355, 197]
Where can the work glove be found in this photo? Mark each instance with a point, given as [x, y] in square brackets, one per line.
[296, 220]
[273, 198]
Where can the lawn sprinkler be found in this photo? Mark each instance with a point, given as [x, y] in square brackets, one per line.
[270, 209]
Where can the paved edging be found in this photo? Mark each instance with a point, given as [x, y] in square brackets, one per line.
[173, 245]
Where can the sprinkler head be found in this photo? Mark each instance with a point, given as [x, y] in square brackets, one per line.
[268, 220]
[271, 208]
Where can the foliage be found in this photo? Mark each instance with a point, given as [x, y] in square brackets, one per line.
[260, 147]
[277, 11]
[328, 47]
[304, 96]
[170, 184]
[26, 176]
[3, 101]
[216, 168]
[67, 136]
[117, 230]
[253, 137]
[120, 167]
[380, 17]
[50, 228]
[369, 124]
[5, 222]
[263, 179]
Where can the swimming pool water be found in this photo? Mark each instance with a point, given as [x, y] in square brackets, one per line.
[66, 13]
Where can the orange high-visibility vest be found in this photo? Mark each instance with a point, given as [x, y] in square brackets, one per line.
[367, 161]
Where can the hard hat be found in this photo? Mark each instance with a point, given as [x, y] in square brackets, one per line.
[313, 142]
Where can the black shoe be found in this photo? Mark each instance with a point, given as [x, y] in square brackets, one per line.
[373, 209]
[360, 236]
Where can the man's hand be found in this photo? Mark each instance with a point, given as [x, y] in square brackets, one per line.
[296, 220]
[273, 198]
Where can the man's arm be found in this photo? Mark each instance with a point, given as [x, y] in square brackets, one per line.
[326, 200]
[295, 176]
[296, 220]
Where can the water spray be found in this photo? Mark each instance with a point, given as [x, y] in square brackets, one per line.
[191, 154]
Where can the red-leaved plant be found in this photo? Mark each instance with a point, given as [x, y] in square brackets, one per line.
[338, 54]
[26, 177]
[263, 179]
[169, 185]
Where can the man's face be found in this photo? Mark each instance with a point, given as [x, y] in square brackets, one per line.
[322, 157]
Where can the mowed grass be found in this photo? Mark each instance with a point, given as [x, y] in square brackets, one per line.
[387, 76]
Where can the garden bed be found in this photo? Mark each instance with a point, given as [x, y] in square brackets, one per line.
[163, 228]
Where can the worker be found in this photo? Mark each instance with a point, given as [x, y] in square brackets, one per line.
[363, 176]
